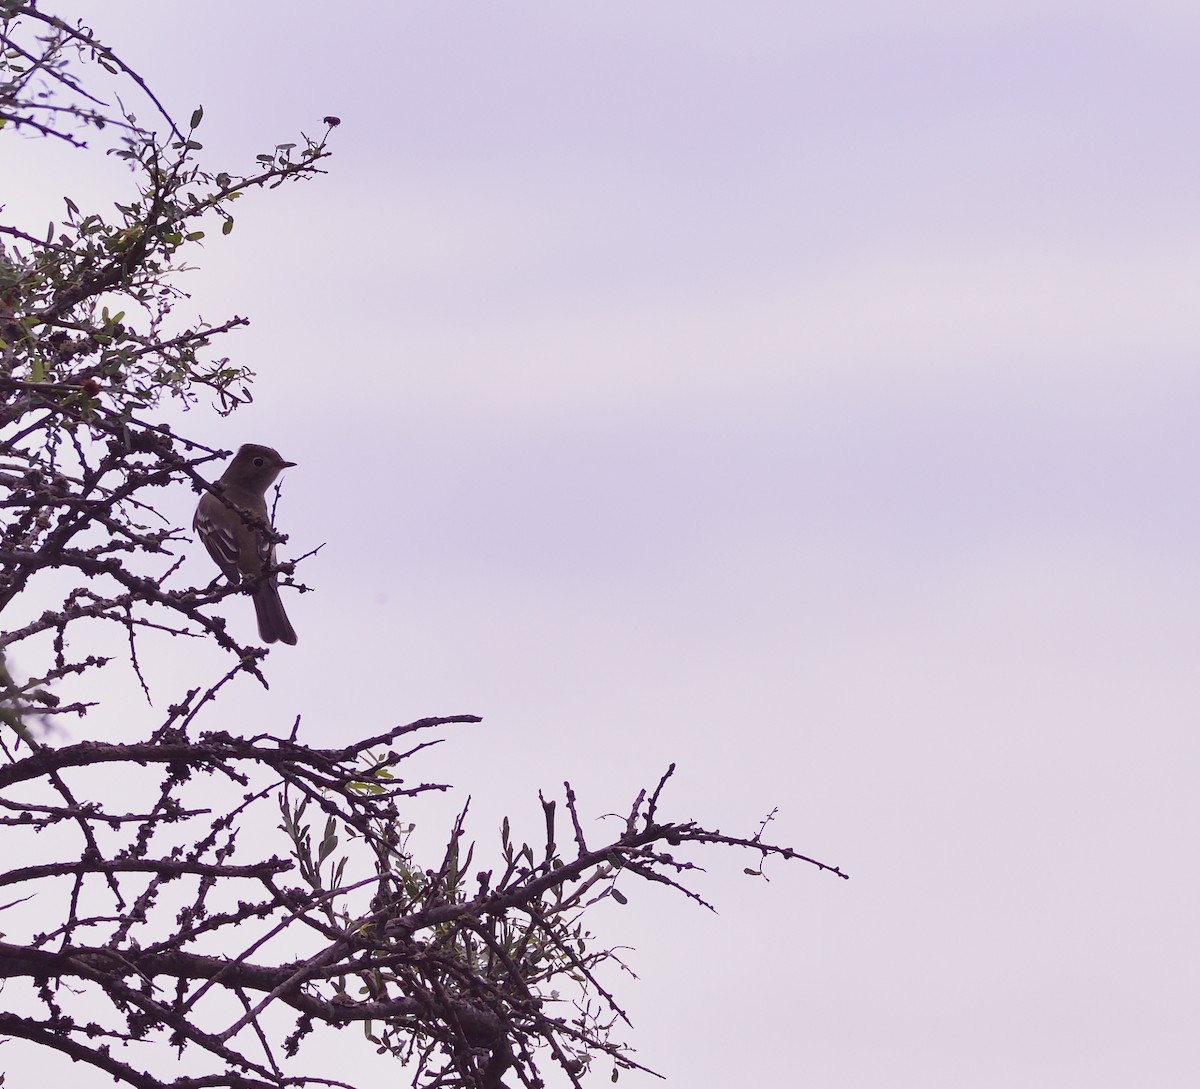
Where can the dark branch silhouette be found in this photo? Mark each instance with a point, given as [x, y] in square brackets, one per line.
[228, 878]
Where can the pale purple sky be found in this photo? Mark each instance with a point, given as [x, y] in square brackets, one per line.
[806, 397]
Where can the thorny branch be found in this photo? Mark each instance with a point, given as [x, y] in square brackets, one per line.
[196, 887]
[466, 976]
[89, 346]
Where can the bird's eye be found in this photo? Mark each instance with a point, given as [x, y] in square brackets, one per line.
[259, 462]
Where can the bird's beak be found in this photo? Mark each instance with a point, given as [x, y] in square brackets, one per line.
[289, 464]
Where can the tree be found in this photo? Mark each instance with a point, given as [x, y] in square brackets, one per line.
[179, 923]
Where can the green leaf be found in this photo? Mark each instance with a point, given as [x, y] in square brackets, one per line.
[197, 117]
[619, 896]
[227, 226]
[329, 842]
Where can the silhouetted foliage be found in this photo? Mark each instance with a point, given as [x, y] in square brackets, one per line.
[196, 883]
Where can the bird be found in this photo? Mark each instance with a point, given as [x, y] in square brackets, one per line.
[232, 526]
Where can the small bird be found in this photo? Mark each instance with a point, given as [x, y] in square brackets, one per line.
[229, 527]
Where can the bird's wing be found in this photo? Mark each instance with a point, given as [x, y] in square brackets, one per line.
[220, 540]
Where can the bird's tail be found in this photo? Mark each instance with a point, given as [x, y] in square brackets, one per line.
[273, 623]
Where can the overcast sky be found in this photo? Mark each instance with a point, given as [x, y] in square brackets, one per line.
[805, 396]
